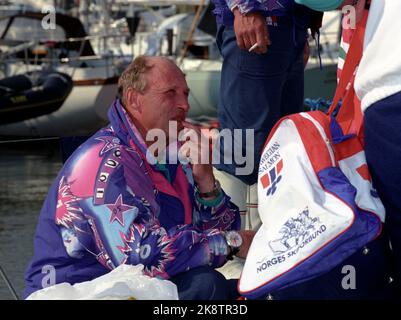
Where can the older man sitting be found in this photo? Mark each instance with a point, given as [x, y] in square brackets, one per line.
[111, 205]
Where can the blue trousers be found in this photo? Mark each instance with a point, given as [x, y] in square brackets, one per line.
[257, 90]
[382, 125]
[205, 283]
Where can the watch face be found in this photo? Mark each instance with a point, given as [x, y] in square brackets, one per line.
[234, 239]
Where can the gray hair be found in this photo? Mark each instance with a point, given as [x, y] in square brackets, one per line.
[134, 76]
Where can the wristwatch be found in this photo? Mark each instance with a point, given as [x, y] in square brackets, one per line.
[214, 193]
[234, 242]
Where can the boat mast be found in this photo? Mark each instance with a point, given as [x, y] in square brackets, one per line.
[84, 14]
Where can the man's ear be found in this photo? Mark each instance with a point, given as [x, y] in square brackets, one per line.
[132, 100]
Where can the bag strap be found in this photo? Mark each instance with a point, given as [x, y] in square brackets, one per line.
[350, 116]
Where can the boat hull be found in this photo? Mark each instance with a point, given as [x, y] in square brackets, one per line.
[82, 113]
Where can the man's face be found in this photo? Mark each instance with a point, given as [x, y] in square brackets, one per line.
[165, 98]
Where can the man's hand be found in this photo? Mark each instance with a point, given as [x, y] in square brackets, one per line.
[247, 237]
[198, 153]
[251, 28]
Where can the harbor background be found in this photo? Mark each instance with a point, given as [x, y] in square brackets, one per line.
[116, 31]
[27, 169]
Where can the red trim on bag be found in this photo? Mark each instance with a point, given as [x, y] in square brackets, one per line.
[309, 139]
[363, 171]
[315, 146]
[347, 148]
[324, 121]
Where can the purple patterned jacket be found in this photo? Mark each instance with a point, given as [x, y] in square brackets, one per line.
[109, 206]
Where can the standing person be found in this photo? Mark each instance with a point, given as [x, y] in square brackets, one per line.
[262, 76]
[378, 86]
[110, 205]
[377, 266]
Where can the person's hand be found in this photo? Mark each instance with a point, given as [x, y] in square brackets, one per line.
[197, 152]
[251, 28]
[247, 237]
[306, 53]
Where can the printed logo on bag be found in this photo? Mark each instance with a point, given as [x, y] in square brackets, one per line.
[295, 234]
[272, 178]
[272, 163]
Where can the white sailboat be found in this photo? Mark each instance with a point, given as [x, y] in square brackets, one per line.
[68, 50]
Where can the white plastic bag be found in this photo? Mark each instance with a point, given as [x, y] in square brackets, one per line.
[124, 282]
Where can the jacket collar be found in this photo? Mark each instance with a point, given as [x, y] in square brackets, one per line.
[125, 129]
[123, 126]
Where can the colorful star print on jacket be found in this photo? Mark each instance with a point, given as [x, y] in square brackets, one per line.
[108, 206]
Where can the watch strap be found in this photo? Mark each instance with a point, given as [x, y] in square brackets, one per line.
[232, 253]
[214, 193]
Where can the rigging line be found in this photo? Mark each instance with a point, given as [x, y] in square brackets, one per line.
[9, 285]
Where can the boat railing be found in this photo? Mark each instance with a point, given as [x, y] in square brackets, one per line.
[70, 59]
[92, 37]
[108, 58]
